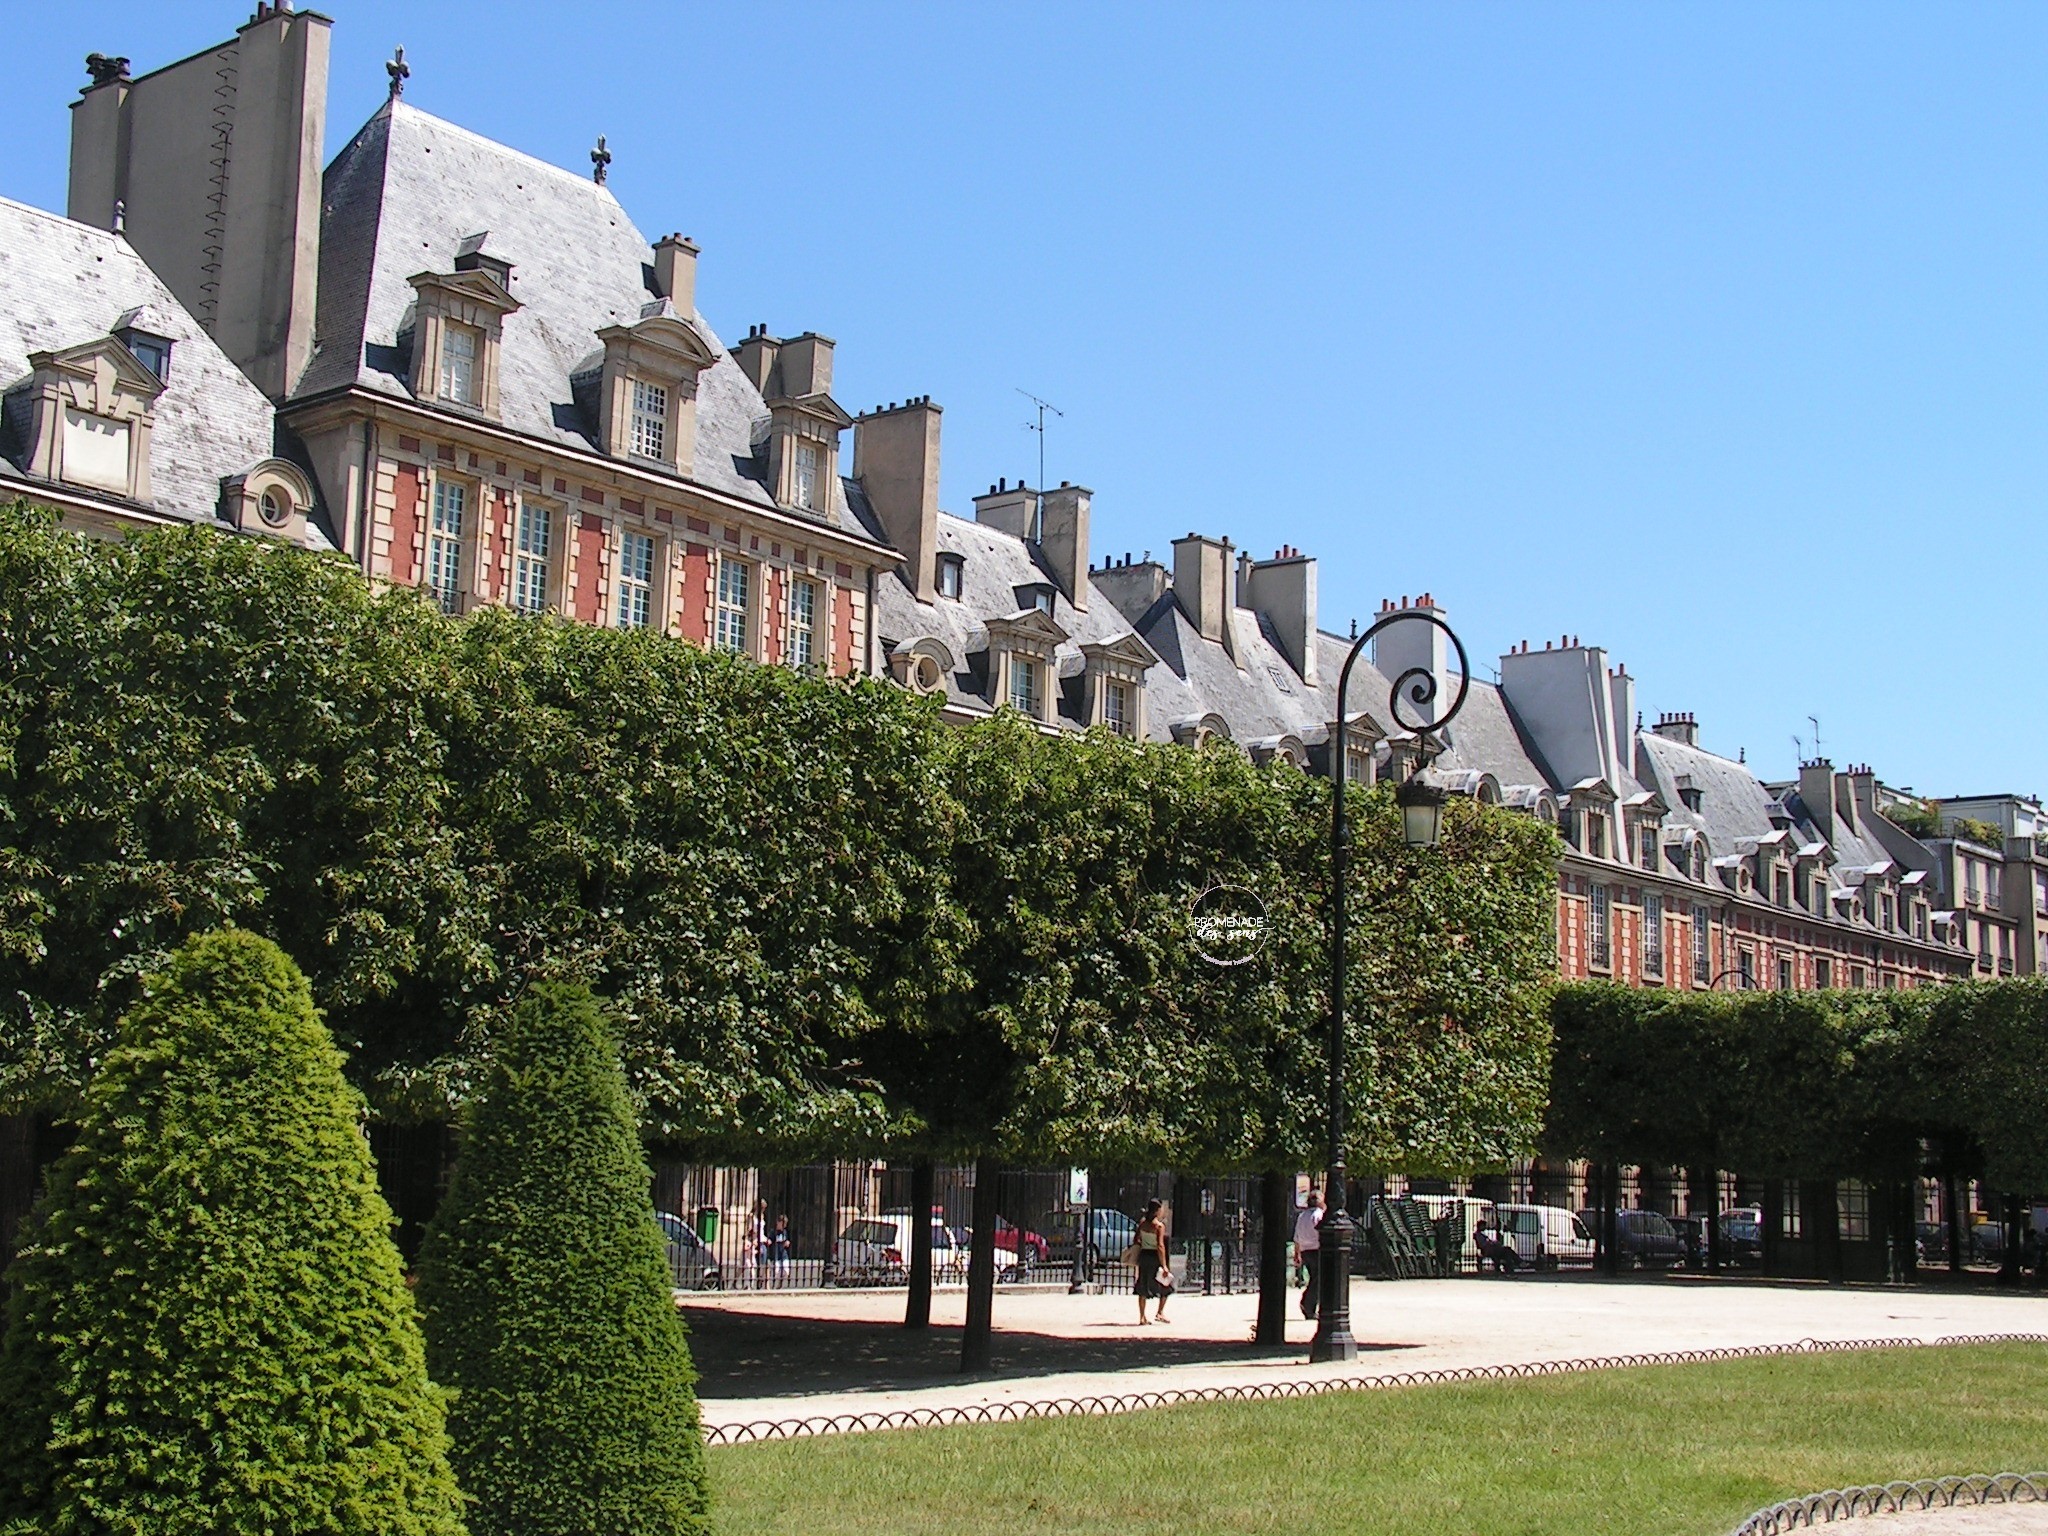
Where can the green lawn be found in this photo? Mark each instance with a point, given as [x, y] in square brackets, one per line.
[1656, 1451]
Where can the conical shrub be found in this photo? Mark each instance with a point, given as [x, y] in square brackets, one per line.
[545, 1285]
[209, 1329]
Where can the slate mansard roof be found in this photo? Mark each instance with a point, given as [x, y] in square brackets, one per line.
[63, 283]
[402, 196]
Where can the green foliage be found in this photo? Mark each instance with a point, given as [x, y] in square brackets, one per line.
[1976, 831]
[209, 1332]
[1829, 1084]
[545, 1285]
[1914, 816]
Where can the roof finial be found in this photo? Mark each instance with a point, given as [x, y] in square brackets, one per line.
[600, 160]
[120, 216]
[397, 69]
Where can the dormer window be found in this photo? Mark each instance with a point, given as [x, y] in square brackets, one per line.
[1596, 834]
[1024, 686]
[458, 364]
[949, 573]
[1115, 694]
[650, 420]
[1649, 837]
[86, 414]
[153, 352]
[1036, 596]
[271, 498]
[458, 322]
[1116, 707]
[1021, 651]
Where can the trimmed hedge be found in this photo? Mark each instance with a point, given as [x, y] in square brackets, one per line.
[209, 1330]
[545, 1284]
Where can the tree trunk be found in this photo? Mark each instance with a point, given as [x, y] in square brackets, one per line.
[1906, 1230]
[1952, 1214]
[1276, 1215]
[1610, 1226]
[1821, 1206]
[917, 1310]
[1703, 1198]
[1772, 1228]
[976, 1340]
[2009, 1264]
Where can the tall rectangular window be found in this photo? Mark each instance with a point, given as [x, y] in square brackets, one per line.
[650, 420]
[1598, 927]
[636, 581]
[1116, 707]
[1745, 968]
[530, 559]
[458, 364]
[1596, 834]
[1702, 960]
[1784, 974]
[802, 649]
[1653, 934]
[1823, 971]
[731, 627]
[1649, 848]
[444, 544]
[1781, 885]
[805, 490]
[1024, 686]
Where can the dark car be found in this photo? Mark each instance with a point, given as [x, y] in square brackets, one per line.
[1642, 1239]
[1692, 1232]
[1742, 1238]
[691, 1266]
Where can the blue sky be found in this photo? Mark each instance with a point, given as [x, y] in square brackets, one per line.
[1712, 334]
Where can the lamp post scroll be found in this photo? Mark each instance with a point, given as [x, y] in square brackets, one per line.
[1421, 804]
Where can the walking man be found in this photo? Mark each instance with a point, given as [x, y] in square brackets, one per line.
[1307, 1246]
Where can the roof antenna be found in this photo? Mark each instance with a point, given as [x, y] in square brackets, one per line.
[1038, 509]
[600, 162]
[1817, 753]
[398, 70]
[1799, 747]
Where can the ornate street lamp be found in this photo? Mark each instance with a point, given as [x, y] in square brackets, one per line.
[1422, 809]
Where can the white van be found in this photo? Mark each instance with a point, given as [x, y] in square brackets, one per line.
[1470, 1211]
[1545, 1236]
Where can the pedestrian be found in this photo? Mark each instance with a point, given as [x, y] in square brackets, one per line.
[1308, 1251]
[757, 1242]
[1155, 1274]
[1494, 1246]
[780, 1245]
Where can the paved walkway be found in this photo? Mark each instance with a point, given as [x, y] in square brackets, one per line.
[786, 1356]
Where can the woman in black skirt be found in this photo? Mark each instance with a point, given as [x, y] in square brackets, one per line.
[1152, 1263]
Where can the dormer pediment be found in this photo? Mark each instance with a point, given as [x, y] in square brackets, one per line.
[663, 335]
[479, 288]
[1126, 650]
[1649, 805]
[106, 366]
[819, 407]
[1593, 791]
[1028, 626]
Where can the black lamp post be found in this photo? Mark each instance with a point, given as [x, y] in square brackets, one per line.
[1422, 807]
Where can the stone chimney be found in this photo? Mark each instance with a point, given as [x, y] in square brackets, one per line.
[1201, 581]
[215, 164]
[803, 367]
[675, 272]
[1007, 508]
[1681, 728]
[1284, 590]
[896, 461]
[756, 357]
[1401, 648]
[1132, 586]
[1063, 540]
[1562, 697]
[1817, 794]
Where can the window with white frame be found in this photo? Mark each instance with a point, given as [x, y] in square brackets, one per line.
[1702, 962]
[1116, 707]
[444, 543]
[1599, 914]
[1823, 971]
[805, 489]
[802, 648]
[636, 580]
[1784, 974]
[949, 575]
[731, 627]
[1745, 967]
[650, 420]
[1648, 835]
[1024, 685]
[530, 549]
[1653, 934]
[458, 364]
[1596, 834]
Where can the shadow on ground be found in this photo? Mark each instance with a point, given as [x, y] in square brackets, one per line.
[747, 1354]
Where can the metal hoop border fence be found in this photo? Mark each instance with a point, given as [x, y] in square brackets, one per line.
[1896, 1498]
[1271, 1391]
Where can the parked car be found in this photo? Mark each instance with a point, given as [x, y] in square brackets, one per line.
[691, 1265]
[1742, 1237]
[1109, 1234]
[1642, 1239]
[1545, 1236]
[1036, 1249]
[1692, 1231]
[1932, 1238]
[875, 1250]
